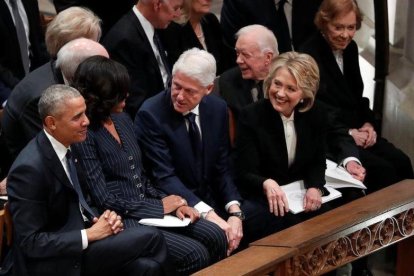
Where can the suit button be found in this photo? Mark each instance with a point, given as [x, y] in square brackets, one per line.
[139, 185]
[132, 167]
[135, 176]
[126, 212]
[76, 265]
[130, 157]
[141, 195]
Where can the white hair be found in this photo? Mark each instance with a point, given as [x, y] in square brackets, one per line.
[265, 38]
[197, 64]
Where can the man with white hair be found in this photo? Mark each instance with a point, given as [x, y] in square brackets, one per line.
[21, 121]
[134, 42]
[256, 48]
[184, 135]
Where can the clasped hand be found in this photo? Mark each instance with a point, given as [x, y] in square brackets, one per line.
[109, 223]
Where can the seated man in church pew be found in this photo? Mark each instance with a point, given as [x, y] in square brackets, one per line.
[56, 230]
[183, 132]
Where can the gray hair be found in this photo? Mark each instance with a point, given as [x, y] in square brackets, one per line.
[52, 99]
[197, 64]
[70, 24]
[265, 38]
[76, 51]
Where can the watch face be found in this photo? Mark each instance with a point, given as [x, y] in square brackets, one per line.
[240, 215]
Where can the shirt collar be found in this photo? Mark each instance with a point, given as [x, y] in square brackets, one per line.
[59, 148]
[195, 110]
[288, 119]
[146, 25]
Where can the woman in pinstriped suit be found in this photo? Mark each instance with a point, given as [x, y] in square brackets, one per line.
[111, 162]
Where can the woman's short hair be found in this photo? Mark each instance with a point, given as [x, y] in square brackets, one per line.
[197, 64]
[304, 70]
[69, 24]
[330, 9]
[103, 83]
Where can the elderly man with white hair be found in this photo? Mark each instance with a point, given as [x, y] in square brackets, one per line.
[184, 135]
[256, 48]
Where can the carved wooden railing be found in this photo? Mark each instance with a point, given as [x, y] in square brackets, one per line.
[333, 239]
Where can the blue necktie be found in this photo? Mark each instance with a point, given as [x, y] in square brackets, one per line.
[88, 212]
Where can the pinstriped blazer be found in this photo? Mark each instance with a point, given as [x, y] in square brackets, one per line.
[114, 173]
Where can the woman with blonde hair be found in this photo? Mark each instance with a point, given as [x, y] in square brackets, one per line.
[197, 27]
[282, 138]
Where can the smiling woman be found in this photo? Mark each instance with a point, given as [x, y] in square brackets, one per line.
[281, 139]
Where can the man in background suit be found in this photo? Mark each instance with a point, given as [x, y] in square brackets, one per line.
[11, 59]
[184, 134]
[299, 14]
[256, 48]
[133, 41]
[21, 120]
[51, 236]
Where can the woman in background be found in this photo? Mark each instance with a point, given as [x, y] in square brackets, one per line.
[197, 27]
[341, 88]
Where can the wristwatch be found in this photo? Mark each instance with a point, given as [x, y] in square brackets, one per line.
[240, 215]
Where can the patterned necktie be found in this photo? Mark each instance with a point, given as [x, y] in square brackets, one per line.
[88, 212]
[21, 35]
[196, 143]
[282, 29]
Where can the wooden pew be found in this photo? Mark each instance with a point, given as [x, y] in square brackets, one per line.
[328, 241]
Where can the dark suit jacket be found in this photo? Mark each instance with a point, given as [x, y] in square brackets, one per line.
[21, 121]
[109, 11]
[114, 174]
[236, 14]
[235, 90]
[341, 91]
[165, 141]
[128, 44]
[45, 211]
[10, 57]
[178, 38]
[262, 154]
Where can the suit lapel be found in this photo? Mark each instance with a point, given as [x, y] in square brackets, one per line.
[143, 37]
[51, 160]
[276, 134]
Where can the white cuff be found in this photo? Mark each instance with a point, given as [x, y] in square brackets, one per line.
[348, 159]
[84, 239]
[231, 203]
[202, 207]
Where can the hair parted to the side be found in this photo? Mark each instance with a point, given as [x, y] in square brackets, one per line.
[330, 9]
[304, 70]
[197, 64]
[103, 83]
[53, 99]
[69, 24]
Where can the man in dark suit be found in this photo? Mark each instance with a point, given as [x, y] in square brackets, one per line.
[299, 14]
[256, 48]
[21, 121]
[184, 134]
[134, 42]
[30, 31]
[50, 213]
